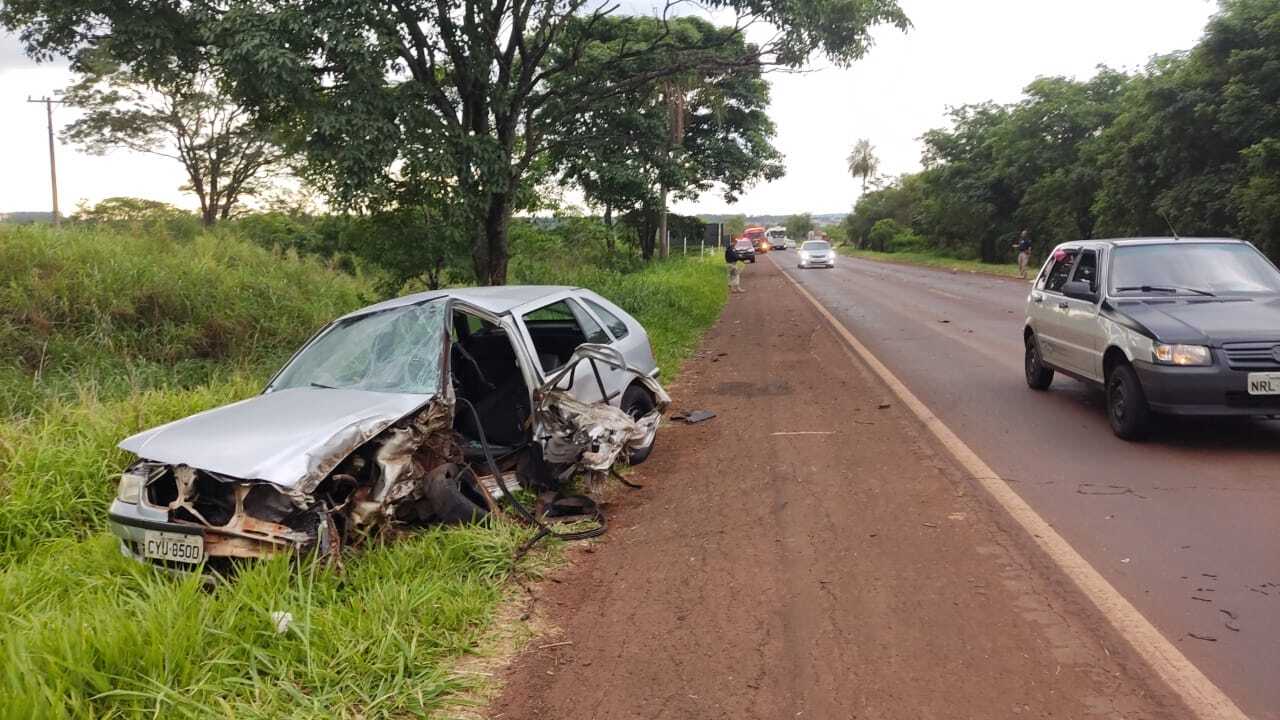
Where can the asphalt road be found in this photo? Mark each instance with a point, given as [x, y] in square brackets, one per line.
[1185, 525]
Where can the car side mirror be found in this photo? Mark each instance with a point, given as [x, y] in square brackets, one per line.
[1080, 290]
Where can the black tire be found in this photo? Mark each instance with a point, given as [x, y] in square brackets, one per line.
[753, 261]
[451, 497]
[1039, 377]
[637, 402]
[1127, 407]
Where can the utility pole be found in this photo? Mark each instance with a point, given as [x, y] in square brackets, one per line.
[53, 165]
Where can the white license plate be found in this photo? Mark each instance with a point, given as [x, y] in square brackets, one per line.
[1264, 383]
[178, 547]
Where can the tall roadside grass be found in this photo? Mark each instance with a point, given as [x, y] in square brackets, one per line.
[88, 633]
[110, 312]
[58, 467]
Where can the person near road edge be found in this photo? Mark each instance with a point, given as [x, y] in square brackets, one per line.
[1024, 252]
[735, 268]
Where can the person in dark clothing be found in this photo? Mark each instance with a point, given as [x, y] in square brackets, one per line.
[735, 270]
[1024, 252]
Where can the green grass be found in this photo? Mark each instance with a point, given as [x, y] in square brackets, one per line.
[111, 313]
[89, 634]
[934, 260]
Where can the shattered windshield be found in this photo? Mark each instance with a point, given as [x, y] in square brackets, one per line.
[399, 350]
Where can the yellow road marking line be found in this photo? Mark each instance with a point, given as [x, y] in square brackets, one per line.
[1204, 698]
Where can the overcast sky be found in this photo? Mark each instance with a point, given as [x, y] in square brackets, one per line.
[956, 53]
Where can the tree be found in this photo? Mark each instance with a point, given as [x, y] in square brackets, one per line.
[862, 161]
[735, 225]
[458, 97]
[633, 150]
[126, 210]
[798, 226]
[184, 117]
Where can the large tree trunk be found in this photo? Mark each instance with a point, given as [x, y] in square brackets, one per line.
[489, 253]
[648, 231]
[664, 240]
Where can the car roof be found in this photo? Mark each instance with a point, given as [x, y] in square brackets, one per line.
[497, 299]
[1123, 242]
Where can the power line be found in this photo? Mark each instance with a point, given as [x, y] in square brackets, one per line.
[53, 165]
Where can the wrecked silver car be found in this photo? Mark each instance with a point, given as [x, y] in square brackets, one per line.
[414, 411]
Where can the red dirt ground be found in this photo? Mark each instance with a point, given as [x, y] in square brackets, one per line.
[847, 572]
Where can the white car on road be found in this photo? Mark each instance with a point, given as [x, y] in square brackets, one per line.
[817, 253]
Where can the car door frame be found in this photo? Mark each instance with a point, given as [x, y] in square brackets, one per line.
[585, 386]
[635, 344]
[1081, 335]
[1047, 320]
[529, 366]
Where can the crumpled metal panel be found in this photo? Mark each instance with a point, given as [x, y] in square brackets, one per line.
[594, 435]
[290, 438]
[404, 458]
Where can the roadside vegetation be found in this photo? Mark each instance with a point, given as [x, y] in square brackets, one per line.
[137, 328]
[1187, 145]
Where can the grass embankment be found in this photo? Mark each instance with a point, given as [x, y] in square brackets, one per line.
[132, 332]
[934, 261]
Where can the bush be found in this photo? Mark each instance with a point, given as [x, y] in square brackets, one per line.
[908, 241]
[882, 234]
[139, 217]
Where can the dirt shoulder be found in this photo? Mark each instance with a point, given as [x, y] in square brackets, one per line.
[809, 554]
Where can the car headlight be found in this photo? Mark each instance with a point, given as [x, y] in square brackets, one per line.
[804, 255]
[1182, 354]
[130, 488]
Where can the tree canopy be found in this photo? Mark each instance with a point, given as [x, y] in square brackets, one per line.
[1190, 144]
[182, 116]
[695, 131]
[410, 102]
[862, 161]
[798, 226]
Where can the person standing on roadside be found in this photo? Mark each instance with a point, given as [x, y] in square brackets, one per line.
[1024, 252]
[735, 269]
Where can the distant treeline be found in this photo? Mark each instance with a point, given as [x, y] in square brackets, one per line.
[1190, 145]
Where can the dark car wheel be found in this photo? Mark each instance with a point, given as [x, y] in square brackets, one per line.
[1127, 403]
[1039, 377]
[637, 402]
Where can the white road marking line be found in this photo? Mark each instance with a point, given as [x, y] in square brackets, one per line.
[807, 432]
[1204, 698]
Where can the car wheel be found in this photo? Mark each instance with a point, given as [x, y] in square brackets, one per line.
[1039, 377]
[637, 402]
[1127, 403]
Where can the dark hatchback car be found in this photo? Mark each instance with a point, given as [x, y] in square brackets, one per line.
[744, 250]
[1185, 326]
